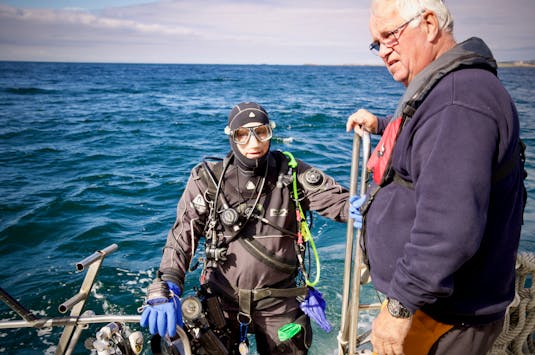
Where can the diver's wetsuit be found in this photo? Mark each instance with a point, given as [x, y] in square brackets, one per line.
[242, 270]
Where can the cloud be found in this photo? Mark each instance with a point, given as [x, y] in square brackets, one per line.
[201, 31]
[506, 26]
[81, 20]
[297, 23]
[238, 31]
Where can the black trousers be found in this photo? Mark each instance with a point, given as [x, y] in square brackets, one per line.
[468, 340]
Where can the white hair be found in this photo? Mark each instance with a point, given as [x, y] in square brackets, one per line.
[407, 9]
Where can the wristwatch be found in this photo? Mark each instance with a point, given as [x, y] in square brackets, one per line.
[396, 309]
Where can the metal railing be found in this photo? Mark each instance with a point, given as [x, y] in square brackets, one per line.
[355, 272]
[77, 321]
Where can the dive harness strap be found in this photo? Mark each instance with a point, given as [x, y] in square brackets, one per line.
[210, 175]
[256, 299]
[266, 297]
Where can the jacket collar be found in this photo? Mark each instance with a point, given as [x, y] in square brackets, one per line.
[471, 53]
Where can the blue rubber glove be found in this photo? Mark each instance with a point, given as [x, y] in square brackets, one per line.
[162, 315]
[354, 204]
[314, 307]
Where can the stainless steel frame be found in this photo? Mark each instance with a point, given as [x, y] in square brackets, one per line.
[354, 268]
[77, 321]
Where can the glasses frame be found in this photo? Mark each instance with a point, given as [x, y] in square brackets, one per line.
[391, 40]
[252, 130]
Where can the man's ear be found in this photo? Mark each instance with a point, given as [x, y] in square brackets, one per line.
[430, 25]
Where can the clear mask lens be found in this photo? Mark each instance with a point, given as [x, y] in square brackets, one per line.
[242, 135]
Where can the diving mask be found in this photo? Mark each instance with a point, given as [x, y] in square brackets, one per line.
[241, 135]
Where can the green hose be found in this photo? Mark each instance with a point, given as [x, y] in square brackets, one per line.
[305, 231]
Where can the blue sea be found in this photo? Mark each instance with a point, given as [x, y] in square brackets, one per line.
[96, 154]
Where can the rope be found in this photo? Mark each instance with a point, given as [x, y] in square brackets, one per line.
[518, 333]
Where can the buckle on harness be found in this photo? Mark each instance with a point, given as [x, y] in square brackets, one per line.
[244, 315]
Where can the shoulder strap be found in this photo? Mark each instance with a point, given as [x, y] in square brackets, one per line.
[210, 173]
[518, 157]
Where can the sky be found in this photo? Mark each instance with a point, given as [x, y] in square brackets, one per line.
[327, 32]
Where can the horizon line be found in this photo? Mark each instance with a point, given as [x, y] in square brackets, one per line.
[506, 63]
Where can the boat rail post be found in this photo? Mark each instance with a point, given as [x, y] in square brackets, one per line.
[77, 302]
[358, 261]
[347, 337]
[343, 334]
[78, 332]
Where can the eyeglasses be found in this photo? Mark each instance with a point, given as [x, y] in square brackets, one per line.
[391, 40]
[242, 135]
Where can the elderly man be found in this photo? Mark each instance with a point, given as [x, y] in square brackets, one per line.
[443, 216]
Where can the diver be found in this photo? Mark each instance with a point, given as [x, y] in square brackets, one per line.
[251, 208]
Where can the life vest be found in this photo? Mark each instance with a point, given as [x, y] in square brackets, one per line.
[379, 161]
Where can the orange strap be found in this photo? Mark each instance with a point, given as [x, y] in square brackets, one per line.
[424, 332]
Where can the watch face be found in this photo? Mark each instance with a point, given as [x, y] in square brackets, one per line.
[396, 309]
[393, 308]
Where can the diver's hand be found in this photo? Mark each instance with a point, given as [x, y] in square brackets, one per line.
[354, 210]
[163, 311]
[362, 120]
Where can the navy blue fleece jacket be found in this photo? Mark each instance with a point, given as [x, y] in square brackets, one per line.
[448, 245]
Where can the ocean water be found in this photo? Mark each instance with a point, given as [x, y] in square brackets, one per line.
[96, 154]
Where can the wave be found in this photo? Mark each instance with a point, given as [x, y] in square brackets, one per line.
[95, 154]
[29, 91]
